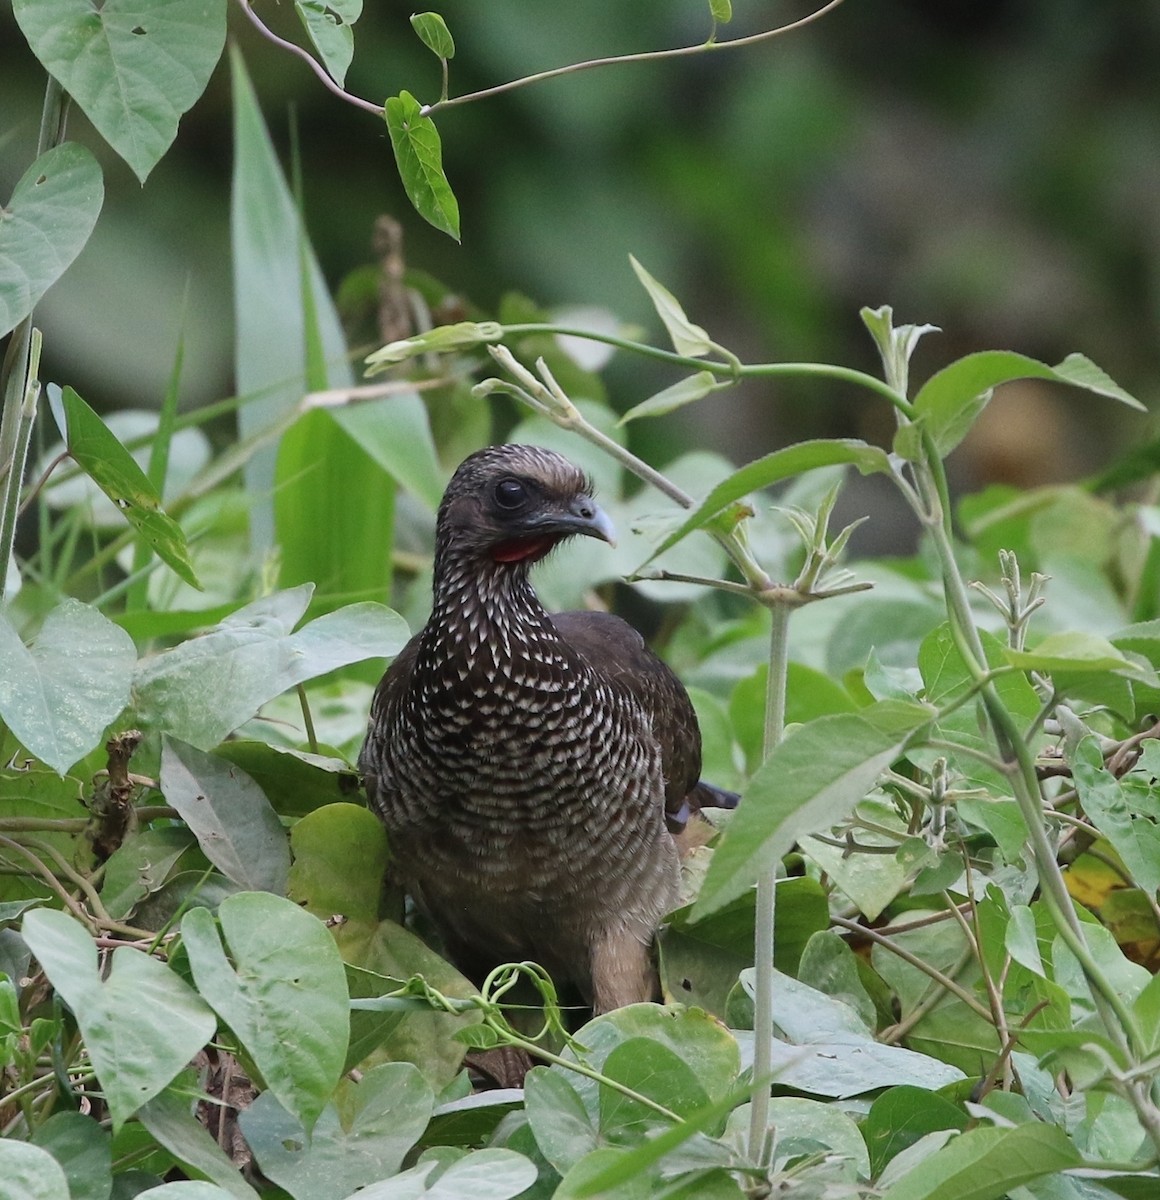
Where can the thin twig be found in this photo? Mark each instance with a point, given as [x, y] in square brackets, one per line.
[617, 59]
[311, 62]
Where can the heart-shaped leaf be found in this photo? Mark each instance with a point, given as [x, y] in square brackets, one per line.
[284, 994]
[44, 227]
[330, 24]
[141, 1025]
[234, 822]
[419, 155]
[134, 66]
[59, 694]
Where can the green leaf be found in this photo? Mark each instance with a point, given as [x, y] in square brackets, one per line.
[30, 1173]
[59, 694]
[284, 996]
[419, 156]
[721, 11]
[812, 780]
[434, 34]
[141, 865]
[141, 1025]
[235, 825]
[481, 1175]
[1072, 652]
[361, 1138]
[695, 387]
[275, 273]
[44, 226]
[900, 1116]
[83, 1149]
[773, 468]
[340, 854]
[112, 468]
[169, 1118]
[1113, 809]
[203, 689]
[696, 1038]
[396, 433]
[985, 1164]
[560, 1123]
[950, 400]
[189, 1189]
[134, 66]
[330, 25]
[687, 338]
[652, 1070]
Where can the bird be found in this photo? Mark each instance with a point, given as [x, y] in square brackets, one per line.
[534, 771]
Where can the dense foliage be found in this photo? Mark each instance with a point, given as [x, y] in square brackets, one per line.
[918, 961]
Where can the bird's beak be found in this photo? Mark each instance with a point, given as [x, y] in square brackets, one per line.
[586, 518]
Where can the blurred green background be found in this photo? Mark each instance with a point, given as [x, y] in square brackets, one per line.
[991, 167]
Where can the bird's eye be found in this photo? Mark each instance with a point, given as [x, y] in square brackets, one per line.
[510, 493]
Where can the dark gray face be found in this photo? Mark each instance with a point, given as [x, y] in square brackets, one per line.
[512, 504]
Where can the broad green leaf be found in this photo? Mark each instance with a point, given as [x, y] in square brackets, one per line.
[83, 1149]
[296, 782]
[330, 24]
[140, 866]
[652, 1070]
[141, 1024]
[340, 855]
[721, 10]
[1072, 652]
[134, 66]
[44, 226]
[695, 387]
[985, 1164]
[900, 1116]
[419, 157]
[30, 1173]
[284, 995]
[481, 1175]
[203, 689]
[806, 1015]
[1111, 807]
[829, 965]
[59, 694]
[396, 433]
[362, 1137]
[773, 468]
[169, 1118]
[841, 1069]
[112, 468]
[433, 33]
[812, 779]
[190, 1189]
[235, 826]
[701, 960]
[950, 400]
[425, 1036]
[562, 1127]
[275, 274]
[809, 1124]
[695, 1037]
[687, 338]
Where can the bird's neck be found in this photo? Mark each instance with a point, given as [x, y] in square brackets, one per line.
[482, 606]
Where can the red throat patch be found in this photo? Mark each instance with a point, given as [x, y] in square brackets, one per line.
[523, 549]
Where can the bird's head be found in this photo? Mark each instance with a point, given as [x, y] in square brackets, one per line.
[512, 504]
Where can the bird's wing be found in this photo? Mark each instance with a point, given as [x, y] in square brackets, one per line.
[612, 648]
[391, 687]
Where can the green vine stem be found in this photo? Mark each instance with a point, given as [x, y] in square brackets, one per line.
[763, 936]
